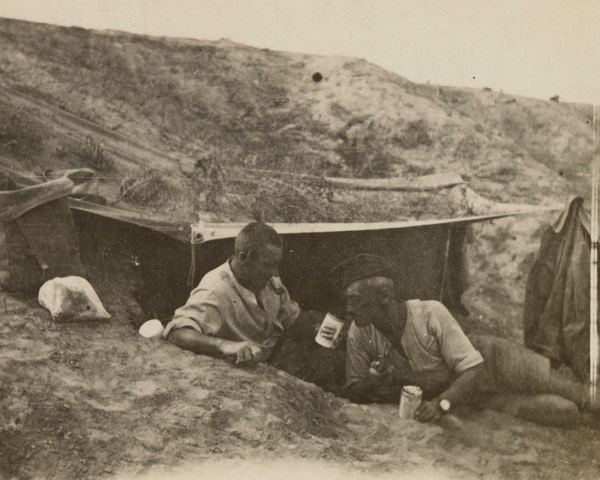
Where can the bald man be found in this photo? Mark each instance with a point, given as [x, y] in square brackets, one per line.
[241, 310]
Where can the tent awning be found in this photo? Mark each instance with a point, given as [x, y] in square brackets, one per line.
[205, 232]
[183, 229]
[179, 229]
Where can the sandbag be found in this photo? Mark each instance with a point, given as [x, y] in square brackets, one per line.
[71, 299]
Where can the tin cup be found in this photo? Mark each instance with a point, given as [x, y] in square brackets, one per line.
[151, 329]
[329, 321]
[410, 399]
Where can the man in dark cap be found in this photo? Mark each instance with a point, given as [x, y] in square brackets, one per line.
[392, 343]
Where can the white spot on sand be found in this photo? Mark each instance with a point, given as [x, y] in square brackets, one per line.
[144, 388]
[198, 393]
[26, 351]
[149, 438]
[99, 435]
[112, 407]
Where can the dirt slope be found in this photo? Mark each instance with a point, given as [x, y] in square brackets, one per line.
[178, 126]
[183, 121]
[251, 107]
[97, 400]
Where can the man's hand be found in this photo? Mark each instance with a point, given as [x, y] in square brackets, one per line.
[428, 412]
[375, 370]
[382, 371]
[243, 352]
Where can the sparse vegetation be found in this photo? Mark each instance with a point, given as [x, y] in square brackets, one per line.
[297, 199]
[143, 190]
[365, 157]
[454, 96]
[508, 172]
[277, 201]
[467, 148]
[424, 91]
[93, 155]
[209, 177]
[339, 111]
[414, 135]
[153, 86]
[418, 170]
[500, 237]
[514, 126]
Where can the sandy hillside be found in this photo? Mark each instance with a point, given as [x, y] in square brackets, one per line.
[97, 400]
[186, 128]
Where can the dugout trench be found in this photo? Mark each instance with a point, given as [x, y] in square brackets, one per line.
[155, 261]
[154, 267]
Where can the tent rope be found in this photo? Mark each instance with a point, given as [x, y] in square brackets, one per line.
[594, 265]
[192, 272]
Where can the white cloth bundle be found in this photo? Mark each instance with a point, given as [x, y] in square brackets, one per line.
[71, 299]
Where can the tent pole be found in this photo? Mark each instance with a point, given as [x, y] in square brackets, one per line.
[594, 265]
[445, 270]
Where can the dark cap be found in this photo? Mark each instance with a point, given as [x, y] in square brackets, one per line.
[361, 266]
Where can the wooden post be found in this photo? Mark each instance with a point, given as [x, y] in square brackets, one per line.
[594, 265]
[445, 270]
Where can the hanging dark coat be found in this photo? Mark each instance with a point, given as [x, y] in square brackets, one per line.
[557, 297]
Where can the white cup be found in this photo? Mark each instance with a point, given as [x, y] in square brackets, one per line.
[329, 321]
[151, 329]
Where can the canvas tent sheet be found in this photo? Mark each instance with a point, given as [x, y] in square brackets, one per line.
[429, 254]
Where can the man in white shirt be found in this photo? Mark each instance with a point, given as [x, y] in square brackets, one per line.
[241, 309]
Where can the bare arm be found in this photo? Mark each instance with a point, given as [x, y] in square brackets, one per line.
[194, 341]
[463, 387]
[457, 393]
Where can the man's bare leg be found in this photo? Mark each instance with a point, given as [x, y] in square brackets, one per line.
[545, 409]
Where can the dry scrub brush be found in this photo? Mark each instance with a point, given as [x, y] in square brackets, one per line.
[366, 158]
[145, 190]
[278, 201]
[298, 200]
[414, 135]
[93, 155]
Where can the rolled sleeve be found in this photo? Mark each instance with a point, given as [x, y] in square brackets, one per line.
[201, 313]
[457, 350]
[471, 360]
[180, 323]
